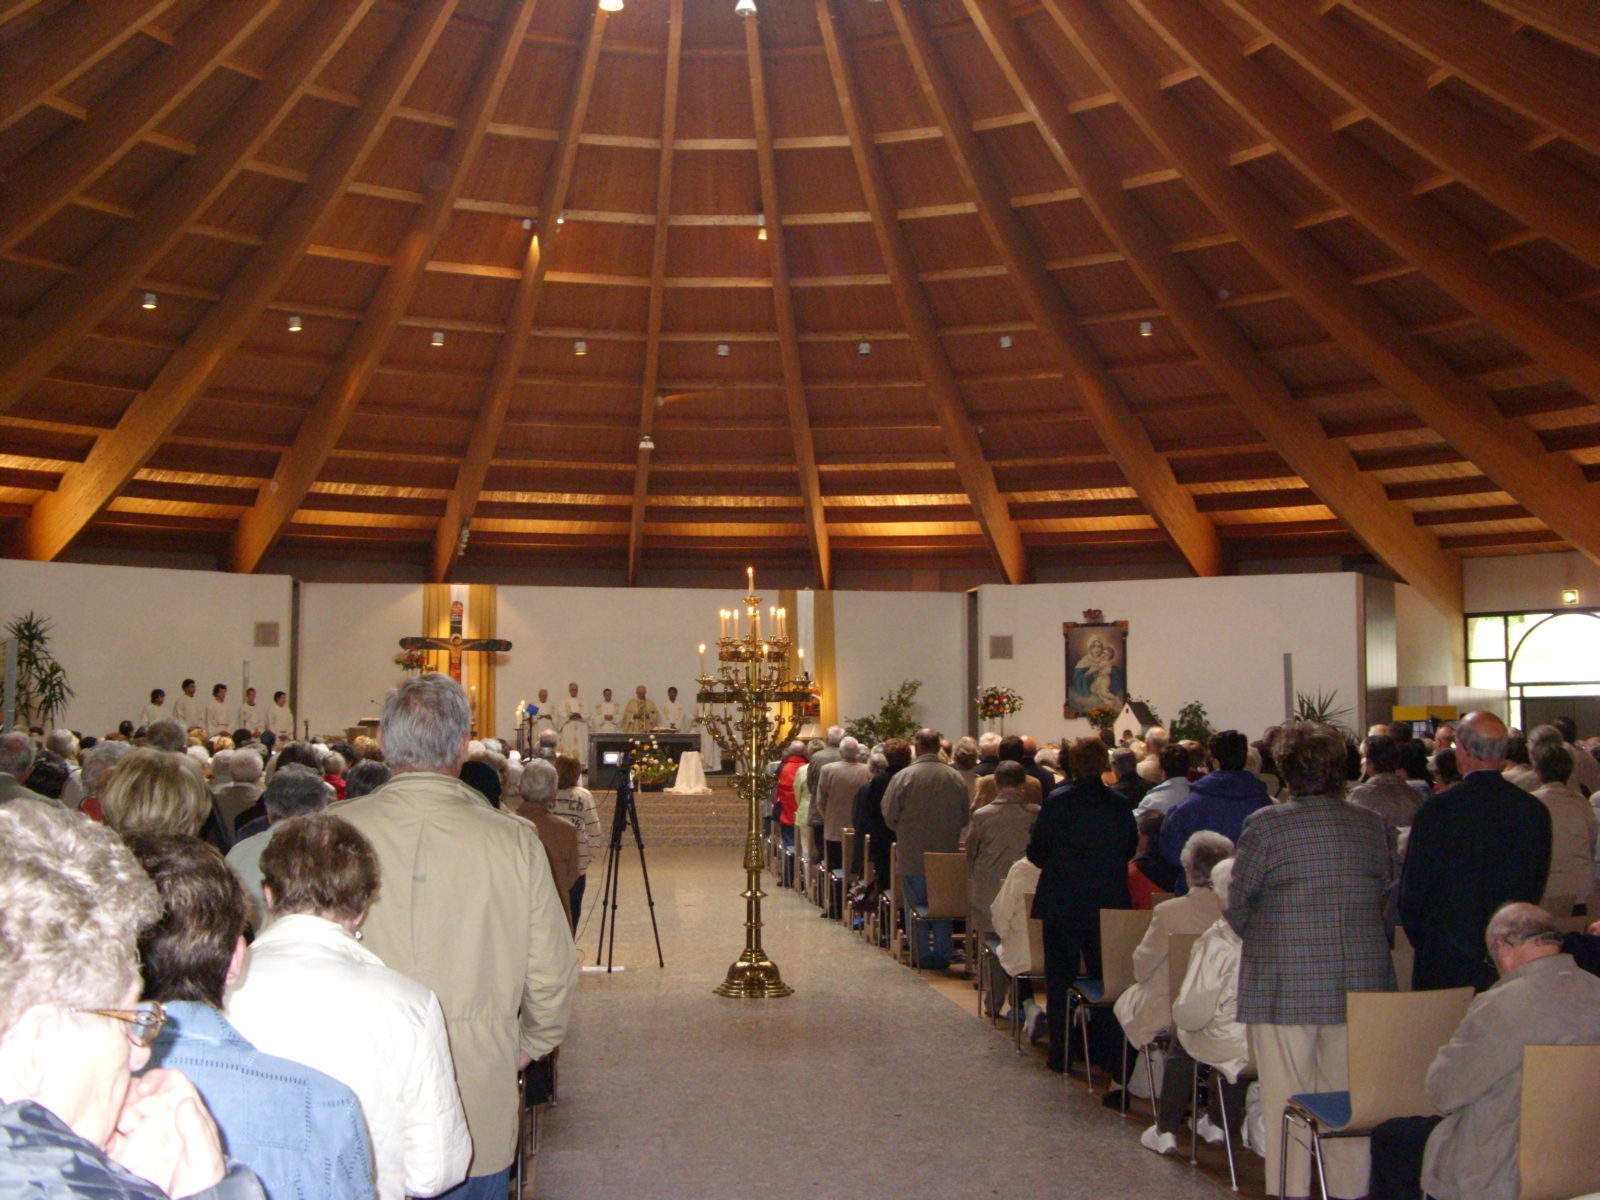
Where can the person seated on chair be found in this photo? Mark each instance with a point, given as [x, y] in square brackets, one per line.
[1145, 1009]
[1471, 1153]
[1149, 872]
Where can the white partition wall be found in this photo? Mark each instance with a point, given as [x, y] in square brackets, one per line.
[884, 638]
[120, 631]
[349, 636]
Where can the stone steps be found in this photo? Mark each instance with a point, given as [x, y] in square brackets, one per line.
[720, 819]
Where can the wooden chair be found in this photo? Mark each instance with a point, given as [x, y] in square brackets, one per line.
[1405, 959]
[841, 877]
[1393, 1038]
[1035, 973]
[1121, 930]
[948, 893]
[1558, 1154]
[869, 920]
[892, 907]
[1159, 898]
[1559, 906]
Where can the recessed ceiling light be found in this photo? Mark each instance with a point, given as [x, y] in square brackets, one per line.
[722, 349]
[295, 324]
[647, 442]
[1005, 341]
[660, 400]
[1223, 293]
[580, 348]
[527, 222]
[610, 5]
[149, 300]
[438, 337]
[863, 347]
[745, 8]
[1147, 329]
[561, 218]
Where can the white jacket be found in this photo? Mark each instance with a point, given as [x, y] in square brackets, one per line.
[1010, 916]
[1205, 1014]
[313, 994]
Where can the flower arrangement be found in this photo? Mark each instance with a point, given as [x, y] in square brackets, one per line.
[651, 764]
[412, 661]
[998, 703]
[1103, 718]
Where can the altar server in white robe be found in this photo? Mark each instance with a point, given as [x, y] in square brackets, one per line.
[671, 713]
[156, 710]
[573, 723]
[251, 715]
[280, 717]
[219, 717]
[607, 714]
[545, 718]
[188, 709]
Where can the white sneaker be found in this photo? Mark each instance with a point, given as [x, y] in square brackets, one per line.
[1033, 1025]
[1209, 1130]
[1161, 1143]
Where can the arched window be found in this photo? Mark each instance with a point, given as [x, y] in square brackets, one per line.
[1564, 648]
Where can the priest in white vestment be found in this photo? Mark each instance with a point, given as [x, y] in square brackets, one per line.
[573, 724]
[544, 718]
[251, 715]
[641, 715]
[280, 718]
[607, 714]
[219, 716]
[672, 713]
[189, 710]
[156, 710]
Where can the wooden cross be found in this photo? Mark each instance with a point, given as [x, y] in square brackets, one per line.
[456, 646]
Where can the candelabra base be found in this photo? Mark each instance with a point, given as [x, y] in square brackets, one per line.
[754, 977]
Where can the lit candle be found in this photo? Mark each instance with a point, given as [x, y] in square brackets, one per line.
[751, 572]
[702, 658]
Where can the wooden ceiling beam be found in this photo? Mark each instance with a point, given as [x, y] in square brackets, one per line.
[1499, 289]
[1575, 24]
[1288, 424]
[324, 425]
[157, 411]
[1101, 400]
[474, 466]
[1544, 193]
[1551, 486]
[75, 306]
[977, 476]
[51, 55]
[658, 276]
[43, 183]
[794, 388]
[1544, 85]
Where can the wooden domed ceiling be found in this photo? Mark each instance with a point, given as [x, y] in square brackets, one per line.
[840, 285]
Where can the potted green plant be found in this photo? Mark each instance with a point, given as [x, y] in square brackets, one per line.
[652, 766]
[893, 720]
[41, 691]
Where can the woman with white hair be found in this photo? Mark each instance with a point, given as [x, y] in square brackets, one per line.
[1205, 1013]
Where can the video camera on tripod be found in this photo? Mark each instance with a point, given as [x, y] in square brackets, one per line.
[625, 813]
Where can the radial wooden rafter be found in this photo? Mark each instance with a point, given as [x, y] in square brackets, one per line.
[1325, 464]
[961, 440]
[474, 467]
[85, 489]
[260, 527]
[1550, 196]
[794, 388]
[1550, 485]
[658, 279]
[1572, 23]
[1114, 422]
[49, 180]
[81, 300]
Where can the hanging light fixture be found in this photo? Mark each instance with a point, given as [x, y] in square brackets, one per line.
[745, 8]
[438, 337]
[295, 324]
[149, 300]
[761, 227]
[610, 5]
[1147, 329]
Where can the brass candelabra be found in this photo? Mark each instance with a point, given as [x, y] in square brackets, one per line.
[754, 705]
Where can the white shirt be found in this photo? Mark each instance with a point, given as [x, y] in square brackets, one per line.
[280, 720]
[374, 1030]
[189, 711]
[252, 717]
[218, 714]
[151, 713]
[671, 715]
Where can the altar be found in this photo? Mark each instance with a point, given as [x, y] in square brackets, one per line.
[604, 748]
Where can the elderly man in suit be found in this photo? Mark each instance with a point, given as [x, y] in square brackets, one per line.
[16, 764]
[926, 805]
[1474, 847]
[1307, 899]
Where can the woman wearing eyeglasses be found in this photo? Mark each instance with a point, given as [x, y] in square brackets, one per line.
[73, 1121]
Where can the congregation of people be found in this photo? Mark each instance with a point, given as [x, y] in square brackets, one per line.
[237, 966]
[1297, 863]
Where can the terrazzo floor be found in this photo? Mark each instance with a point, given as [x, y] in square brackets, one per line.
[867, 1082]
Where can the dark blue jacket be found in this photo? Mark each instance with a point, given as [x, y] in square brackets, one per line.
[1219, 802]
[299, 1130]
[1082, 841]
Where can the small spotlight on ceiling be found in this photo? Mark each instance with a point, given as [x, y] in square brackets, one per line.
[1223, 293]
[610, 5]
[295, 324]
[438, 337]
[149, 300]
[1005, 341]
[863, 347]
[660, 400]
[647, 442]
[979, 428]
[745, 8]
[1147, 329]
[580, 348]
[527, 222]
[463, 539]
[722, 349]
[761, 227]
[561, 218]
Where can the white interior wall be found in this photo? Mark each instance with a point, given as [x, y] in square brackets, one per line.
[1219, 640]
[1424, 641]
[349, 636]
[1527, 582]
[884, 638]
[120, 631]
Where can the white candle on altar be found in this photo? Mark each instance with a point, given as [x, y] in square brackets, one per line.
[702, 658]
[751, 572]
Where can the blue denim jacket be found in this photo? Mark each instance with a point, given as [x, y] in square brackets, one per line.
[301, 1132]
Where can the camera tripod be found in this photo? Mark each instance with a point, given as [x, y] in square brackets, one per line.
[625, 813]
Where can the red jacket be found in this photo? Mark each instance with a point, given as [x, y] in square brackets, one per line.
[785, 794]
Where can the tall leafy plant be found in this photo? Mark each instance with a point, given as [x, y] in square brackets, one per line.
[1193, 724]
[1322, 709]
[894, 719]
[41, 688]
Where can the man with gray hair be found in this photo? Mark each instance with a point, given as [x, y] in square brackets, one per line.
[97, 765]
[1478, 845]
[1542, 998]
[548, 745]
[167, 735]
[835, 791]
[1155, 741]
[988, 754]
[505, 977]
[818, 763]
[238, 788]
[16, 764]
[538, 783]
[1572, 819]
[294, 791]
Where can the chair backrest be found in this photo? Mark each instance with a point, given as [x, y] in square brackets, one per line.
[867, 869]
[1405, 959]
[1120, 932]
[1560, 1156]
[1035, 937]
[1559, 906]
[1393, 1038]
[1159, 898]
[946, 876]
[848, 859]
[1576, 924]
[897, 894]
[1179, 947]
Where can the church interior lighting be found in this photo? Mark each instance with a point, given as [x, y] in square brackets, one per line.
[580, 348]
[149, 300]
[1005, 341]
[722, 349]
[864, 348]
[295, 323]
[1147, 329]
[647, 442]
[610, 5]
[745, 8]
[438, 337]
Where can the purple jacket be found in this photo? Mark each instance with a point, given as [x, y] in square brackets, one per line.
[1219, 802]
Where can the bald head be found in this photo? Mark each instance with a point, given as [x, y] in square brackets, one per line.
[928, 741]
[1029, 746]
[1481, 739]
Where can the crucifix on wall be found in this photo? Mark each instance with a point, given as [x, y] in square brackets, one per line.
[455, 646]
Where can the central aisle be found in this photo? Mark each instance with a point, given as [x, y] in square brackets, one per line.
[865, 1083]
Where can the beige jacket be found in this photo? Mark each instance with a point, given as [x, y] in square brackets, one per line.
[1205, 1012]
[1145, 1009]
[987, 791]
[836, 788]
[1572, 835]
[999, 836]
[468, 908]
